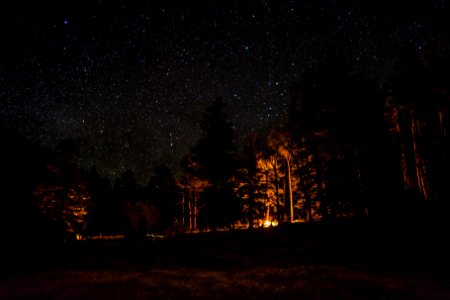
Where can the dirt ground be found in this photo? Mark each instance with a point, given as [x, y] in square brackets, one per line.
[260, 265]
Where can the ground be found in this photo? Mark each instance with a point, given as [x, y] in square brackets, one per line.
[263, 264]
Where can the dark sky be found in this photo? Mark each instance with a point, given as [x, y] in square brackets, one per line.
[129, 79]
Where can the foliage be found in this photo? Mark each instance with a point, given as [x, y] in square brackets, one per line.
[101, 217]
[215, 150]
[140, 219]
[65, 205]
[215, 154]
[248, 183]
[192, 185]
[164, 195]
[62, 197]
[348, 149]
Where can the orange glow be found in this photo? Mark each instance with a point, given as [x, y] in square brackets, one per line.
[268, 223]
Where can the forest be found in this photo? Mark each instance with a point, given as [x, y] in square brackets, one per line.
[351, 148]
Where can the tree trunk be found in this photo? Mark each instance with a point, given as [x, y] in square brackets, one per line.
[194, 221]
[183, 210]
[308, 217]
[290, 191]
[267, 204]
[363, 210]
[250, 211]
[277, 193]
[420, 164]
[284, 201]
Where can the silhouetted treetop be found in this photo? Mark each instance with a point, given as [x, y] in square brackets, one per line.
[215, 150]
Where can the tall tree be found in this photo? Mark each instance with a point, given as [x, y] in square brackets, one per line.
[215, 153]
[100, 216]
[280, 142]
[418, 112]
[125, 191]
[274, 160]
[215, 150]
[140, 218]
[23, 166]
[126, 187]
[165, 195]
[192, 185]
[331, 116]
[248, 181]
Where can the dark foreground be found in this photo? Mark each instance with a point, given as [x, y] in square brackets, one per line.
[305, 262]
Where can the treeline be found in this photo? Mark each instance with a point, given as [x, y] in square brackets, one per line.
[349, 148]
[48, 198]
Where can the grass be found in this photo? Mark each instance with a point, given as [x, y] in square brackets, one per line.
[296, 282]
[240, 265]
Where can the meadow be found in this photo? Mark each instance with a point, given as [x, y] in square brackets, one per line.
[300, 263]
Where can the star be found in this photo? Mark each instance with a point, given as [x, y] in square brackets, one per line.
[132, 72]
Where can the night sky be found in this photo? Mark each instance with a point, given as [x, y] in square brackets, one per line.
[130, 79]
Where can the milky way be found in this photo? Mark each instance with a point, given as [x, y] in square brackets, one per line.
[129, 80]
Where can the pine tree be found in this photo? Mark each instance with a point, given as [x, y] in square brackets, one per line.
[215, 154]
[165, 195]
[248, 183]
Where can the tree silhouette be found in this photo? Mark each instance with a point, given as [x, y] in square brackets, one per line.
[215, 150]
[164, 196]
[23, 165]
[418, 115]
[332, 119]
[100, 217]
[126, 187]
[140, 219]
[125, 191]
[215, 154]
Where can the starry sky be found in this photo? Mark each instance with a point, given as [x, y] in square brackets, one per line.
[129, 79]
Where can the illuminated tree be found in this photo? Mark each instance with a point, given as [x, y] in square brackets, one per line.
[258, 180]
[266, 186]
[192, 185]
[275, 162]
[62, 196]
[280, 143]
[65, 205]
[307, 185]
[248, 182]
